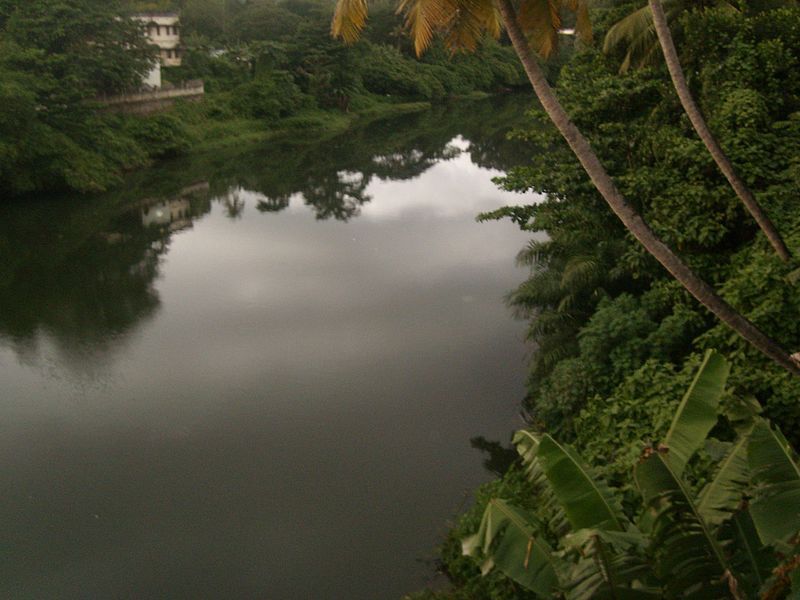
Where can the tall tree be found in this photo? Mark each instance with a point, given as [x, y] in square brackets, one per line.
[463, 23]
[636, 29]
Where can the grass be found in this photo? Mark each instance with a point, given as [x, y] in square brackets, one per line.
[224, 131]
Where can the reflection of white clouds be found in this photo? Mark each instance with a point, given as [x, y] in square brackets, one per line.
[350, 177]
[460, 143]
[413, 280]
[453, 188]
[391, 159]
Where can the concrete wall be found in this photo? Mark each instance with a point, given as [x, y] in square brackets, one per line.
[154, 101]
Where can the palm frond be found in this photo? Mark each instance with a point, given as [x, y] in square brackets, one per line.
[349, 19]
[540, 21]
[469, 22]
[583, 24]
[637, 33]
[425, 17]
[580, 272]
[534, 253]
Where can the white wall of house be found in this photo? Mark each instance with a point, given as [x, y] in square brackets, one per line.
[163, 30]
[153, 79]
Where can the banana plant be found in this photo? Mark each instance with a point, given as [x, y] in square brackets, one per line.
[717, 542]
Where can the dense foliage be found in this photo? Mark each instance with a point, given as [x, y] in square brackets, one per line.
[615, 338]
[267, 65]
[603, 309]
[717, 530]
[56, 56]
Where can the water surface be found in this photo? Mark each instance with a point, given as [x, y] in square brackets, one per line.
[256, 374]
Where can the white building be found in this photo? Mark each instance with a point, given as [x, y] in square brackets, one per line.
[163, 30]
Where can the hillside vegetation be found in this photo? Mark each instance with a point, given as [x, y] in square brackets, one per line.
[616, 341]
[269, 67]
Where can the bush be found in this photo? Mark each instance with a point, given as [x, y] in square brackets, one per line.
[269, 96]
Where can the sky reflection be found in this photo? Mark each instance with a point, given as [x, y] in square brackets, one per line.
[278, 406]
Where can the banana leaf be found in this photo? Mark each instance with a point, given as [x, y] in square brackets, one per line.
[527, 444]
[611, 564]
[689, 560]
[697, 412]
[752, 560]
[775, 506]
[724, 493]
[587, 501]
[508, 539]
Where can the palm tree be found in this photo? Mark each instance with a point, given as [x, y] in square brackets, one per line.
[636, 28]
[463, 23]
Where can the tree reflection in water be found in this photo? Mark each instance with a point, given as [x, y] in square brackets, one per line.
[81, 271]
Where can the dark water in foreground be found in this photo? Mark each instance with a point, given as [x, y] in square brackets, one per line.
[256, 374]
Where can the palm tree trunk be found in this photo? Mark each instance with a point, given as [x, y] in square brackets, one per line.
[699, 124]
[626, 213]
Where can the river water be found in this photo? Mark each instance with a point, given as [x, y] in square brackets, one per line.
[256, 374]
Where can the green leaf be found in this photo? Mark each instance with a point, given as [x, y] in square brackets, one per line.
[508, 539]
[752, 559]
[527, 444]
[697, 412]
[609, 565]
[723, 494]
[587, 501]
[775, 507]
[688, 557]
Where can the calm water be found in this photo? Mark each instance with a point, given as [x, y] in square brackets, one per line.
[256, 374]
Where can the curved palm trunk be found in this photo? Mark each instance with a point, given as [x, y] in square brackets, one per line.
[627, 214]
[699, 124]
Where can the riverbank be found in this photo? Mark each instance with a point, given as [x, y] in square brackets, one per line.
[60, 139]
[209, 134]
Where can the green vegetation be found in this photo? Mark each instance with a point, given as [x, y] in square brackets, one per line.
[616, 337]
[270, 69]
[55, 57]
[709, 517]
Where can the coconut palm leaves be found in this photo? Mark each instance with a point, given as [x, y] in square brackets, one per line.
[463, 23]
[636, 34]
[349, 19]
[680, 544]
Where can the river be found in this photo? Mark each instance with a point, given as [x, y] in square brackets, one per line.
[256, 373]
